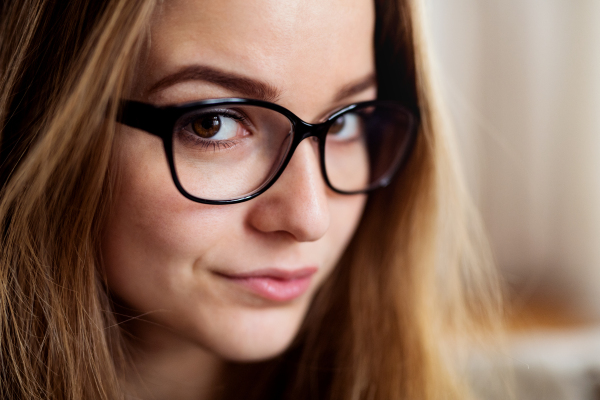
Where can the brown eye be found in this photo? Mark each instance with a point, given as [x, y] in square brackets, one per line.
[337, 125]
[345, 128]
[207, 126]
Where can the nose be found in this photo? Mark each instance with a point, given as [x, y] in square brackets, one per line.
[297, 203]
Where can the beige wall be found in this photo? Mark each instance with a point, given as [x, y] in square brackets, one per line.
[521, 79]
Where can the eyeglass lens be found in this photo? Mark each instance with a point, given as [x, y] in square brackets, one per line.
[229, 152]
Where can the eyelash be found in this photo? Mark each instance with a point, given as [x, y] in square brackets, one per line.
[214, 145]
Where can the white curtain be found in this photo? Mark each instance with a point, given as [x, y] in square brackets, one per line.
[521, 79]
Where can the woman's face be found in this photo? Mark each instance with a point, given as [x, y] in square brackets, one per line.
[236, 280]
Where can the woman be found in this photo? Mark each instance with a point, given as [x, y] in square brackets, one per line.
[162, 242]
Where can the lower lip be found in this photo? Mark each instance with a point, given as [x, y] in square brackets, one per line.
[274, 289]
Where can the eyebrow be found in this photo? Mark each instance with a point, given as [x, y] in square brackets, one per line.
[248, 87]
[236, 83]
[354, 88]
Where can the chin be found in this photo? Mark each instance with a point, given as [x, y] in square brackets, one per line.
[256, 335]
[245, 354]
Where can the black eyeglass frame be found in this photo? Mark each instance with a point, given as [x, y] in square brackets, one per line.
[160, 121]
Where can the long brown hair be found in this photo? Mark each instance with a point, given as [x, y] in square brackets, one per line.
[377, 328]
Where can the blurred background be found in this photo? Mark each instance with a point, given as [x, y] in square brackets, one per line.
[521, 82]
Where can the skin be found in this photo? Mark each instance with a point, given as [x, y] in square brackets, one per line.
[162, 252]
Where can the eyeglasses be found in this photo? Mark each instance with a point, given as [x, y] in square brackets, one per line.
[224, 151]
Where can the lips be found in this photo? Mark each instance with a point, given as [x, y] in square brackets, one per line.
[274, 284]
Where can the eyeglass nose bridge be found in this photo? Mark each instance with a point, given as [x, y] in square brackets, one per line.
[304, 130]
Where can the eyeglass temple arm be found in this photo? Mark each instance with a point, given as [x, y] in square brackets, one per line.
[143, 116]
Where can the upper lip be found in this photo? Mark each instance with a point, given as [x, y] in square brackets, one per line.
[272, 273]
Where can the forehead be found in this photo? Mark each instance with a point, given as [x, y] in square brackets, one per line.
[298, 46]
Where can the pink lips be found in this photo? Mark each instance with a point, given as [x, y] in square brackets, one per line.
[275, 284]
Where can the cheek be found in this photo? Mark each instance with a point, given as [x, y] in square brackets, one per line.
[152, 230]
[345, 212]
